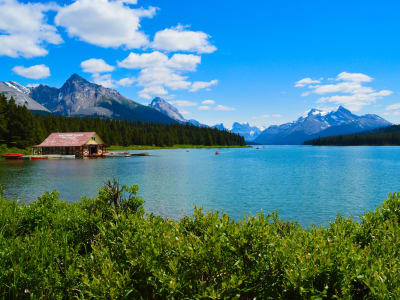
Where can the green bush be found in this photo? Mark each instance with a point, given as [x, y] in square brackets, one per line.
[110, 248]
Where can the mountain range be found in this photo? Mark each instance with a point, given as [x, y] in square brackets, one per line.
[245, 130]
[79, 97]
[317, 123]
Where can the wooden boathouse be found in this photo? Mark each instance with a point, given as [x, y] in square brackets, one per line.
[80, 144]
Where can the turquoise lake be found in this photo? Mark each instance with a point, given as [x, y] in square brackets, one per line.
[310, 185]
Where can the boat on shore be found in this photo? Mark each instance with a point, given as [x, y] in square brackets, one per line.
[39, 157]
[13, 156]
[125, 154]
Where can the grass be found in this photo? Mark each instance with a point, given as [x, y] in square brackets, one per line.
[108, 247]
[138, 147]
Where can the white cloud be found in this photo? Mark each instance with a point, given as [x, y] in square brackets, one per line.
[157, 70]
[34, 72]
[356, 77]
[306, 81]
[24, 30]
[179, 39]
[276, 116]
[32, 85]
[127, 1]
[184, 62]
[156, 59]
[204, 107]
[224, 108]
[349, 90]
[104, 80]
[162, 77]
[395, 106]
[127, 81]
[208, 102]
[94, 65]
[184, 112]
[144, 60]
[149, 92]
[104, 23]
[198, 85]
[183, 103]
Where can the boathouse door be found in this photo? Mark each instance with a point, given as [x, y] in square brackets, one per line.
[93, 150]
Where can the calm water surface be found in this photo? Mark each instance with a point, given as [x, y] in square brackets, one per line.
[306, 184]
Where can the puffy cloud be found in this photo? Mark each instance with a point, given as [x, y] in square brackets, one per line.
[185, 112]
[34, 72]
[395, 106]
[204, 107]
[104, 80]
[127, 81]
[104, 23]
[208, 102]
[345, 87]
[224, 108]
[356, 77]
[156, 59]
[305, 81]
[184, 62]
[349, 90]
[183, 103]
[107, 81]
[24, 30]
[158, 70]
[149, 92]
[198, 85]
[94, 65]
[144, 60]
[162, 77]
[179, 39]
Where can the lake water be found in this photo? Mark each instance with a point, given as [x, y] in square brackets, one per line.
[306, 184]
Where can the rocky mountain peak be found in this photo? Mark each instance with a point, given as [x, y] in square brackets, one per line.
[167, 109]
[75, 77]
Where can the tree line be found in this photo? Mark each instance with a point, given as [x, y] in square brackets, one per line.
[19, 127]
[388, 136]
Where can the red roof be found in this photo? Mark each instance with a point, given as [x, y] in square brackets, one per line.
[67, 139]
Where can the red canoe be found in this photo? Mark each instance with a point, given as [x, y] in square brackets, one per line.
[12, 155]
[39, 157]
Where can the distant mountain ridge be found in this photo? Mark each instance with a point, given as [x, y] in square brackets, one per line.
[245, 130]
[317, 123]
[79, 97]
[250, 133]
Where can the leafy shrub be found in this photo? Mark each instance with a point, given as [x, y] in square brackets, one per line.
[109, 247]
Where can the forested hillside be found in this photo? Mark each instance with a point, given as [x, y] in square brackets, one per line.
[20, 128]
[387, 136]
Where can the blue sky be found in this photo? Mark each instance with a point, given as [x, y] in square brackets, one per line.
[263, 62]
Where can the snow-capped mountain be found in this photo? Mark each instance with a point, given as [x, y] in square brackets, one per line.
[317, 123]
[79, 97]
[250, 133]
[21, 95]
[167, 109]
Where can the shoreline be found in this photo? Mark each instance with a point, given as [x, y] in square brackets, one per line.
[137, 147]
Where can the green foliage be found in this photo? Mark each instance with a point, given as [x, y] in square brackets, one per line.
[20, 128]
[387, 136]
[109, 248]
